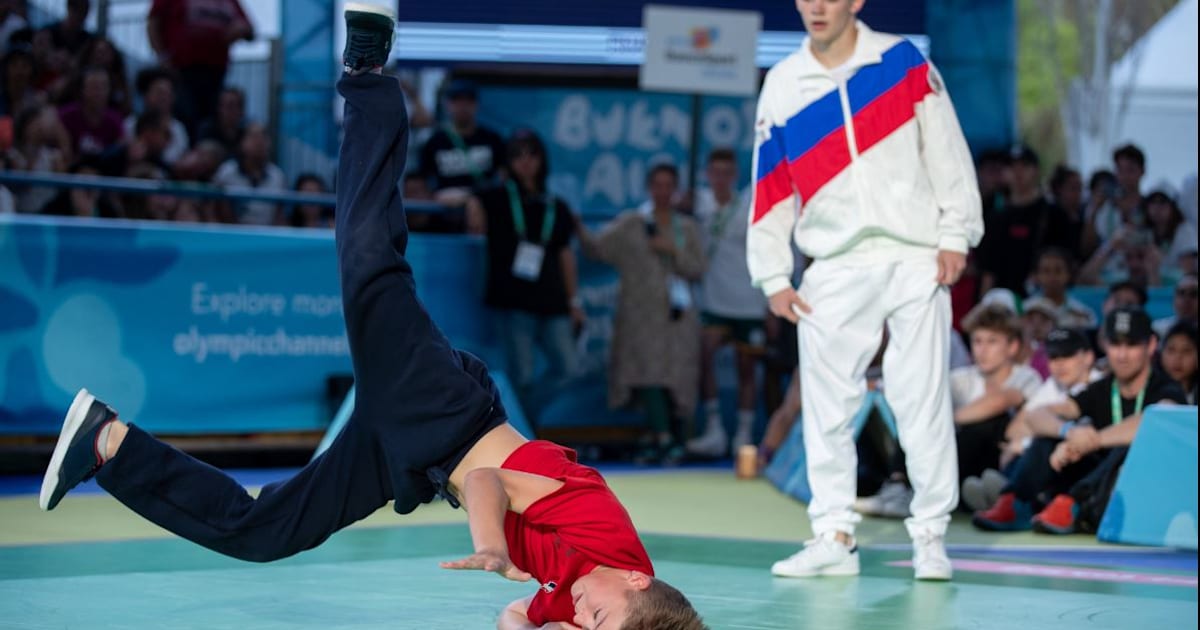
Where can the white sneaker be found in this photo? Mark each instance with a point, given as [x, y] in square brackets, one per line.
[740, 439]
[892, 501]
[974, 495]
[711, 444]
[930, 561]
[823, 555]
[994, 483]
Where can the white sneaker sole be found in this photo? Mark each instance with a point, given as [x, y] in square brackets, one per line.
[845, 569]
[363, 7]
[75, 417]
[934, 576]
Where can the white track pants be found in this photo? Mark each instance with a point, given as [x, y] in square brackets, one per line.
[850, 304]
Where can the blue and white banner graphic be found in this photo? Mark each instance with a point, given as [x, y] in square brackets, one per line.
[189, 329]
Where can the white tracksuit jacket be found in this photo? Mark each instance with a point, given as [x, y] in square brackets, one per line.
[899, 176]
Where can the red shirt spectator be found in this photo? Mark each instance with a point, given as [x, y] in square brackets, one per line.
[198, 32]
[570, 532]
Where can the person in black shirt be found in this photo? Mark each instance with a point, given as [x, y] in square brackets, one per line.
[1015, 232]
[462, 155]
[531, 278]
[1081, 443]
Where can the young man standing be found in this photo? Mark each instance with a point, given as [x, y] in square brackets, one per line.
[1080, 442]
[860, 159]
[734, 310]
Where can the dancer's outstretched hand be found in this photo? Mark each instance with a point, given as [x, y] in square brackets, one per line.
[488, 560]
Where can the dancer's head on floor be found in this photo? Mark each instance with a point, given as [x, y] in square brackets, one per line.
[630, 600]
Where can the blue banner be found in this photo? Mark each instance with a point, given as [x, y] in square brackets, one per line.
[191, 329]
[601, 141]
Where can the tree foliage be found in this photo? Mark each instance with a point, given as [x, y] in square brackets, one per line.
[1056, 45]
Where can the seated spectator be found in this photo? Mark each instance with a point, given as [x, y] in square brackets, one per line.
[1125, 293]
[416, 188]
[229, 124]
[1117, 205]
[1129, 255]
[986, 395]
[201, 162]
[69, 34]
[1179, 357]
[309, 215]
[152, 136]
[1066, 473]
[82, 202]
[152, 207]
[252, 168]
[1072, 369]
[1185, 305]
[1172, 237]
[40, 145]
[54, 66]
[102, 53]
[1053, 277]
[93, 126]
[463, 154]
[1102, 187]
[1066, 191]
[18, 89]
[1038, 317]
[156, 88]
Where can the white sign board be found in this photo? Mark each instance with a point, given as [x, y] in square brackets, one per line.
[700, 51]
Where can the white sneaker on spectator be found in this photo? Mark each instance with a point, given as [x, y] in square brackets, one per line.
[974, 495]
[823, 555]
[930, 561]
[892, 501]
[740, 439]
[994, 483]
[711, 444]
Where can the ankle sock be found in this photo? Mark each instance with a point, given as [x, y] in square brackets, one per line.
[102, 442]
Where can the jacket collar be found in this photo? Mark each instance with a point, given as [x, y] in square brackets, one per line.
[867, 51]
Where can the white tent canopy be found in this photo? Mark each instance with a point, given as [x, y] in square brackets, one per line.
[1152, 103]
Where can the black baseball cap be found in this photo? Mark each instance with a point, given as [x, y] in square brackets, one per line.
[1066, 342]
[461, 88]
[1128, 325]
[1023, 153]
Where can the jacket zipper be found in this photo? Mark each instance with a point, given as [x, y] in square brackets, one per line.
[848, 117]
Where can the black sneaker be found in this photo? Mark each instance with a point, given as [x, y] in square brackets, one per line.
[369, 30]
[75, 456]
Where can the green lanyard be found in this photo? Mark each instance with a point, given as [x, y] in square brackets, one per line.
[518, 213]
[1117, 412]
[717, 229]
[462, 148]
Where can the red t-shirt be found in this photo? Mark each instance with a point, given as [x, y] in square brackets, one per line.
[569, 532]
[194, 30]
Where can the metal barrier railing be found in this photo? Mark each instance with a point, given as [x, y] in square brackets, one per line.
[210, 191]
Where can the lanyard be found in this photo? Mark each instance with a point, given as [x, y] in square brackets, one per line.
[462, 148]
[1117, 412]
[720, 221]
[518, 213]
